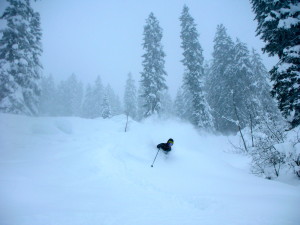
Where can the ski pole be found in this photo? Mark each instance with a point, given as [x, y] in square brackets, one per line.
[155, 158]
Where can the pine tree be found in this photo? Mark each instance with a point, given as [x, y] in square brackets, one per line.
[47, 100]
[206, 69]
[98, 95]
[106, 109]
[63, 99]
[240, 82]
[130, 98]
[279, 28]
[69, 97]
[153, 75]
[88, 104]
[198, 111]
[20, 49]
[219, 92]
[75, 89]
[7, 88]
[141, 110]
[179, 104]
[114, 101]
[261, 80]
[167, 108]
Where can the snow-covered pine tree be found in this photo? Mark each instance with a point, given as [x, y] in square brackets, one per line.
[69, 97]
[20, 49]
[193, 92]
[114, 101]
[62, 98]
[98, 95]
[261, 79]
[75, 88]
[141, 110]
[167, 108]
[106, 108]
[117, 105]
[279, 28]
[206, 69]
[179, 104]
[130, 98]
[241, 83]
[219, 92]
[7, 89]
[47, 100]
[153, 75]
[88, 103]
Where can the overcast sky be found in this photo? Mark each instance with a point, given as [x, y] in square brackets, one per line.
[97, 37]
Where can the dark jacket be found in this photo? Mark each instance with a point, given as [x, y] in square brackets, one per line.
[166, 146]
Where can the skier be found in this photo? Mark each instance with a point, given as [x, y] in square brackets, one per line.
[166, 147]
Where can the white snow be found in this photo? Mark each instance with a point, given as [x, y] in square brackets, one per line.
[73, 171]
[288, 23]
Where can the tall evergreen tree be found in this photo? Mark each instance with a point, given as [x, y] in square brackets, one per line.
[279, 27]
[199, 111]
[261, 80]
[167, 108]
[241, 83]
[114, 101]
[141, 110]
[88, 104]
[153, 75]
[130, 98]
[237, 84]
[63, 99]
[179, 104]
[98, 95]
[47, 100]
[106, 108]
[20, 49]
[69, 97]
[219, 91]
[75, 88]
[8, 87]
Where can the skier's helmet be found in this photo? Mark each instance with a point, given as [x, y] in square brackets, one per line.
[170, 142]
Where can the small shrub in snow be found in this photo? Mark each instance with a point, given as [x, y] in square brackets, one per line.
[273, 149]
[293, 152]
[294, 162]
[268, 158]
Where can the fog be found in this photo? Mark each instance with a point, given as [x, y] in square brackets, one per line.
[95, 37]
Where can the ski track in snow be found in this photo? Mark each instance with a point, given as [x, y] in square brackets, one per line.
[72, 171]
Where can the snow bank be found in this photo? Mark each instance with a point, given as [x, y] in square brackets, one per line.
[71, 171]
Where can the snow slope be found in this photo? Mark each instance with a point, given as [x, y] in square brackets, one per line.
[73, 171]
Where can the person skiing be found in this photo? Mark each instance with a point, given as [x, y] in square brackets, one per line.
[166, 147]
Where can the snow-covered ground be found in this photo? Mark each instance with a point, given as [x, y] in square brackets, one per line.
[73, 171]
